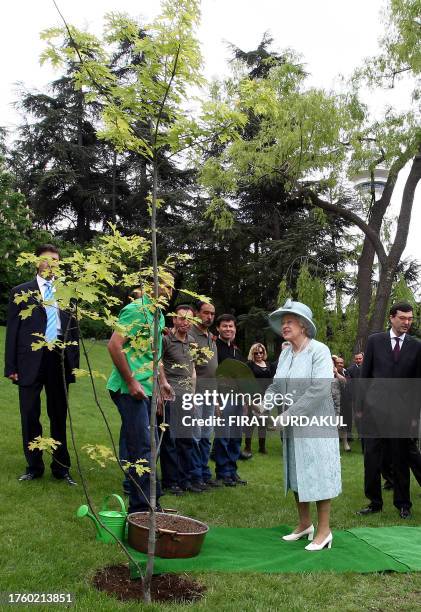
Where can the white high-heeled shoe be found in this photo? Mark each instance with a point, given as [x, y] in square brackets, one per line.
[326, 542]
[292, 537]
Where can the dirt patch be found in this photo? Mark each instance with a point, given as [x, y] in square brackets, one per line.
[172, 522]
[172, 588]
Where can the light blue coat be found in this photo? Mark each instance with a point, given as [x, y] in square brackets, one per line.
[311, 456]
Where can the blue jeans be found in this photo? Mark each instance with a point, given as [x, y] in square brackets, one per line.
[200, 460]
[135, 421]
[227, 444]
[200, 471]
[122, 455]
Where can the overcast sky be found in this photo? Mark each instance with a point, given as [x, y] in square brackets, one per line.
[334, 36]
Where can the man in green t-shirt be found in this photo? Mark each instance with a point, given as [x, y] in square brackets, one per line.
[130, 386]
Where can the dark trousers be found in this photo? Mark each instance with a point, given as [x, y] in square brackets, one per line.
[346, 414]
[176, 448]
[248, 433]
[387, 466]
[414, 461]
[168, 452]
[374, 453]
[414, 457]
[50, 378]
[227, 444]
[135, 420]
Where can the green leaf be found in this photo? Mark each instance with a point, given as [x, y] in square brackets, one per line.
[80, 373]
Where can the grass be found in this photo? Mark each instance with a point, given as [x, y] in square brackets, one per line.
[46, 548]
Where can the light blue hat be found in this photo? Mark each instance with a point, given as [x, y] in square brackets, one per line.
[291, 307]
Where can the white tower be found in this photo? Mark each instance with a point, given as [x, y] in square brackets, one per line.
[362, 181]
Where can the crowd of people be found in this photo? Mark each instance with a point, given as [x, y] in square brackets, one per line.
[192, 356]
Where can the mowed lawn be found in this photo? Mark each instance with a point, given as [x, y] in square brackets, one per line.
[46, 548]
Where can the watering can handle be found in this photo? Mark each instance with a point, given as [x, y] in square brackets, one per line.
[121, 502]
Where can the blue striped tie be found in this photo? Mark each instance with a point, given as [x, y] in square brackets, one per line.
[51, 330]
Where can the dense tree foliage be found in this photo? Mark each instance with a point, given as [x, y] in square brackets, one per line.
[16, 235]
[75, 182]
[266, 199]
[315, 141]
[60, 164]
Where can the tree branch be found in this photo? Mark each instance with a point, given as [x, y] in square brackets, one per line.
[167, 91]
[404, 218]
[99, 87]
[309, 197]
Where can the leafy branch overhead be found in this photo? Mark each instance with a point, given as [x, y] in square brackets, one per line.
[168, 54]
[87, 284]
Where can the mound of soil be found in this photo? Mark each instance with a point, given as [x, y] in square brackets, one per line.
[173, 522]
[171, 588]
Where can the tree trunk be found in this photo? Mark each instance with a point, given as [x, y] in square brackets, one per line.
[365, 271]
[152, 499]
[82, 224]
[384, 289]
[373, 245]
[113, 187]
[276, 230]
[338, 290]
[82, 221]
[387, 275]
[152, 513]
[366, 260]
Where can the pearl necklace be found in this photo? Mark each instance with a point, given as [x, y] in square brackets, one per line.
[301, 348]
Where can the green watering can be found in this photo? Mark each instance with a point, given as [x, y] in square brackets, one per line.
[114, 520]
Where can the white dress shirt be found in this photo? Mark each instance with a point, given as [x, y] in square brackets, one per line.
[392, 339]
[42, 284]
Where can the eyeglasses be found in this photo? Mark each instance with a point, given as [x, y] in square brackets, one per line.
[259, 353]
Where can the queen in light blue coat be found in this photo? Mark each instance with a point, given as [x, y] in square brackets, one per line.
[311, 452]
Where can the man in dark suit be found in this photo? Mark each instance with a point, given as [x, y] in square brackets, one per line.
[389, 408]
[353, 374]
[34, 370]
[354, 370]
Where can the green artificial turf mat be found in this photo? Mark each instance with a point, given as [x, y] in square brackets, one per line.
[401, 543]
[262, 550]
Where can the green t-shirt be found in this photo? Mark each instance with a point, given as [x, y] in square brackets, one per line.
[137, 318]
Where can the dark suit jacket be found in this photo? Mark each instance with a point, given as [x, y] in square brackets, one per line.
[354, 371]
[353, 374]
[19, 356]
[391, 401]
[379, 363]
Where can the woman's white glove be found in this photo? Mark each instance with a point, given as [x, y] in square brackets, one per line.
[257, 409]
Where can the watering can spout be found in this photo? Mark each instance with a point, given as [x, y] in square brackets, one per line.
[110, 524]
[84, 511]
